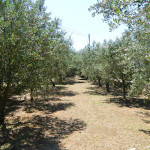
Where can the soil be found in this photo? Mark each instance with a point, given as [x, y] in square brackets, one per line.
[78, 116]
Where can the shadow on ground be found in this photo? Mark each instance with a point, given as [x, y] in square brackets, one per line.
[72, 82]
[46, 106]
[83, 78]
[13, 104]
[96, 91]
[146, 132]
[130, 103]
[40, 131]
[66, 93]
[146, 115]
[134, 103]
[58, 91]
[137, 103]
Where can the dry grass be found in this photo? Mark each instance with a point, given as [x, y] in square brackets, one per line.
[79, 117]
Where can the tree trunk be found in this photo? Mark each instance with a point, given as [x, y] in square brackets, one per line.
[99, 83]
[53, 83]
[123, 86]
[2, 110]
[107, 87]
[31, 94]
[3, 101]
[124, 90]
[2, 117]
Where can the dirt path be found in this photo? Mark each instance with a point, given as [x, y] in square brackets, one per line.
[108, 125]
[79, 116]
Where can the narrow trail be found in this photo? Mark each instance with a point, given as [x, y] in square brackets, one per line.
[107, 125]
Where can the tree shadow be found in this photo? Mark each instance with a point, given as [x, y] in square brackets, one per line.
[146, 132]
[42, 133]
[59, 91]
[96, 91]
[50, 91]
[50, 105]
[72, 82]
[41, 104]
[146, 121]
[145, 115]
[83, 77]
[53, 99]
[66, 93]
[46, 106]
[80, 82]
[59, 87]
[13, 104]
[38, 131]
[137, 103]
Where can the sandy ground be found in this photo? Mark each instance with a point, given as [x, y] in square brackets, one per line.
[79, 117]
[108, 126]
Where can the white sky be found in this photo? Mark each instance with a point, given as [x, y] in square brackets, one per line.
[78, 22]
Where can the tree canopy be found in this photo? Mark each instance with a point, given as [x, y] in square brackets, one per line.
[34, 51]
[134, 13]
[123, 63]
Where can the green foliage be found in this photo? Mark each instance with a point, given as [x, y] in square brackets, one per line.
[132, 54]
[123, 63]
[33, 49]
[134, 13]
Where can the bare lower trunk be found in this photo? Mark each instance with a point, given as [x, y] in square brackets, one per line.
[3, 100]
[53, 83]
[2, 110]
[124, 91]
[31, 94]
[99, 83]
[107, 87]
[123, 86]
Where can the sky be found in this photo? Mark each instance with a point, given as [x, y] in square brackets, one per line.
[78, 22]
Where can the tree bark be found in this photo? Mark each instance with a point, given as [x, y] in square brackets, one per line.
[107, 87]
[53, 83]
[99, 83]
[124, 86]
[2, 118]
[31, 94]
[3, 101]
[2, 110]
